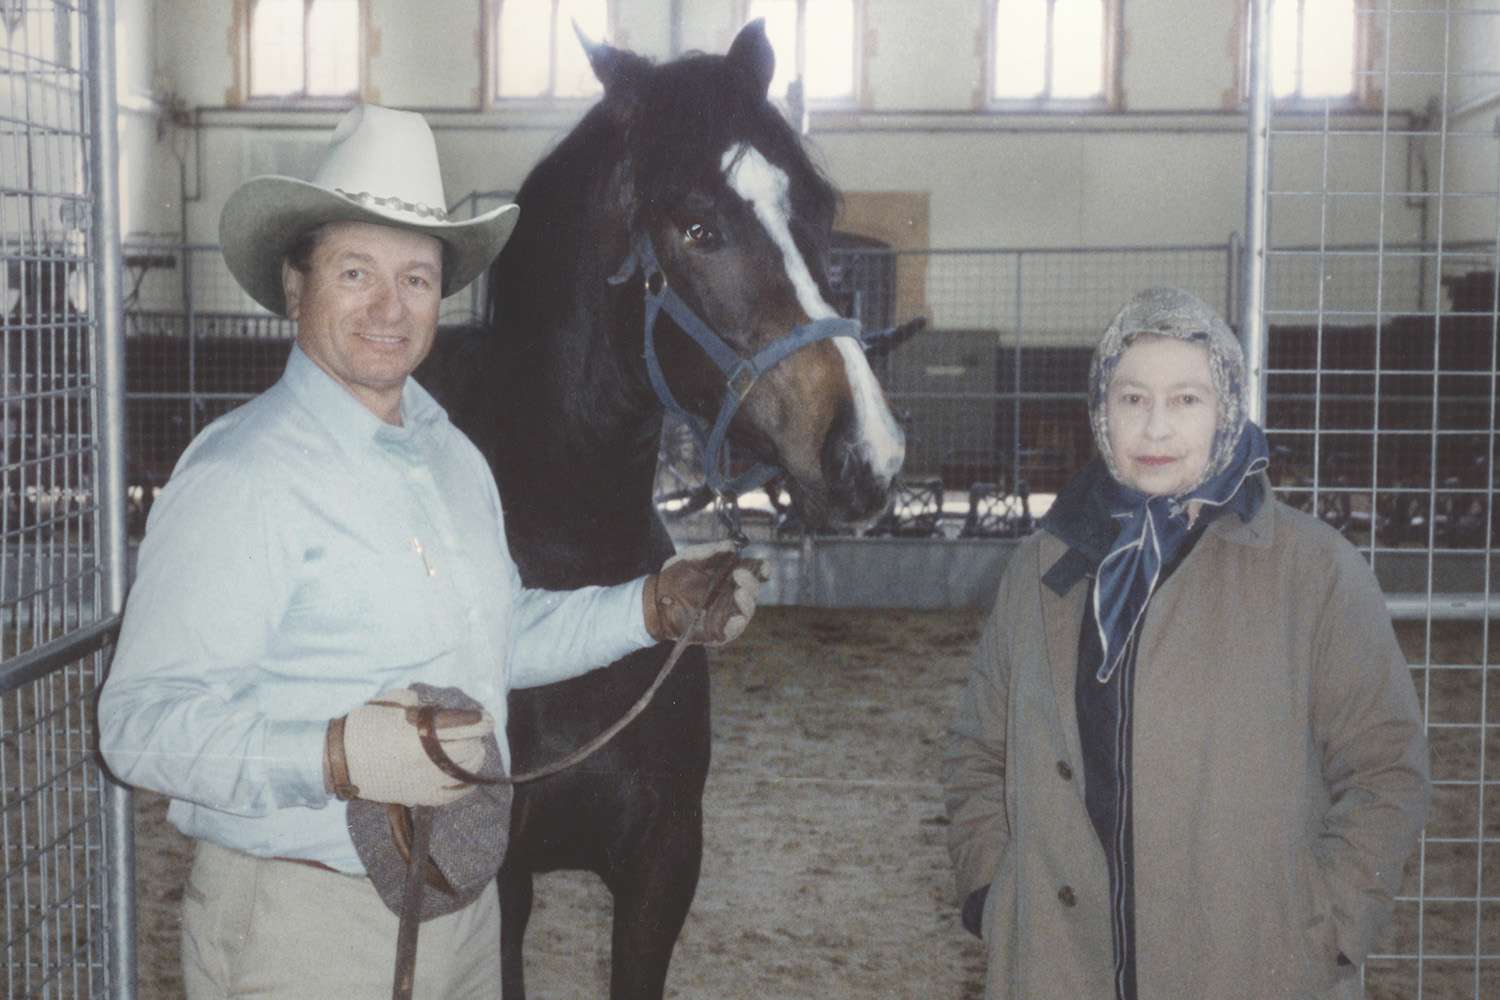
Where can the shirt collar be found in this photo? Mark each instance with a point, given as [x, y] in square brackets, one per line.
[350, 421]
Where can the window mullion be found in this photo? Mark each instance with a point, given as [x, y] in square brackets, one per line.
[801, 66]
[497, 42]
[1047, 54]
[552, 51]
[1300, 78]
[306, 89]
[248, 41]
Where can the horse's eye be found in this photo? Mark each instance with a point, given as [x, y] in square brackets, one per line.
[697, 232]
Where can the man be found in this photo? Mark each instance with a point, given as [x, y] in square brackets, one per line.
[318, 552]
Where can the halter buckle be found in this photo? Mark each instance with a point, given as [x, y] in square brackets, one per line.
[742, 379]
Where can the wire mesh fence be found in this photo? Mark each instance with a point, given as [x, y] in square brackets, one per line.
[990, 392]
[53, 802]
[1381, 410]
[992, 389]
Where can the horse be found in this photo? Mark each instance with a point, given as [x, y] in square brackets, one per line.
[681, 176]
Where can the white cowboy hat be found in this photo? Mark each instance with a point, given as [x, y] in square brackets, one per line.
[381, 167]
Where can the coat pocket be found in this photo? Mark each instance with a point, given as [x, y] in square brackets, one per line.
[1314, 925]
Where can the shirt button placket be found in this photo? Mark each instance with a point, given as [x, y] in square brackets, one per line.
[437, 557]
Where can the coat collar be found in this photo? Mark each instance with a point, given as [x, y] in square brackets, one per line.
[1063, 566]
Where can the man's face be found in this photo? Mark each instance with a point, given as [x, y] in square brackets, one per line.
[367, 308]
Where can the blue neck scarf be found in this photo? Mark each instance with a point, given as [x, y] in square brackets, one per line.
[1152, 531]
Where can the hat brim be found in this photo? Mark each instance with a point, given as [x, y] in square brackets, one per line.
[267, 215]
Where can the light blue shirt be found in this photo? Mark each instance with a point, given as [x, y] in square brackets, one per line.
[305, 557]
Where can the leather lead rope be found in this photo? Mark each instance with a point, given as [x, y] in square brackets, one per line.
[411, 904]
[426, 719]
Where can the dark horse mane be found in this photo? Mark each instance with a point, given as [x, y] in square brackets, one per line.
[635, 154]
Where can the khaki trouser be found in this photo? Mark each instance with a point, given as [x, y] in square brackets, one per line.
[258, 928]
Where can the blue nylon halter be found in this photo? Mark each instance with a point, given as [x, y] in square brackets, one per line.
[740, 372]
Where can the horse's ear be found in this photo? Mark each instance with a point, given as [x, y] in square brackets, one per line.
[752, 52]
[612, 66]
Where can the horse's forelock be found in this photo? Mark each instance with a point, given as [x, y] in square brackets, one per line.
[693, 109]
[649, 143]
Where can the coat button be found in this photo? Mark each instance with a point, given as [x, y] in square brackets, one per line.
[1065, 895]
[1064, 770]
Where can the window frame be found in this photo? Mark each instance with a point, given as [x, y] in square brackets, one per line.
[1108, 100]
[858, 96]
[1368, 49]
[244, 16]
[490, 59]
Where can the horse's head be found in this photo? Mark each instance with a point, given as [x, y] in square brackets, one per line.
[740, 220]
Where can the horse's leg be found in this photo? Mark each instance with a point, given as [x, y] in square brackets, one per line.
[515, 910]
[653, 890]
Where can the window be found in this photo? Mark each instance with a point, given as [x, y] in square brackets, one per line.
[1316, 48]
[1052, 51]
[814, 41]
[535, 51]
[305, 49]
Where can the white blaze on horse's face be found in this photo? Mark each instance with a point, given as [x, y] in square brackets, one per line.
[764, 186]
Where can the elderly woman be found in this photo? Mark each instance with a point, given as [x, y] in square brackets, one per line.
[1189, 761]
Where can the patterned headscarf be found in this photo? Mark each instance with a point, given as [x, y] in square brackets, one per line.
[1153, 529]
[1171, 312]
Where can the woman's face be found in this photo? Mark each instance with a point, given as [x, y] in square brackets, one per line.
[1161, 413]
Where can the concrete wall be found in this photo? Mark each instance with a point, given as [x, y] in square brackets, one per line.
[1166, 167]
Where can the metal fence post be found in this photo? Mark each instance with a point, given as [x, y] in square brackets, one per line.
[1257, 146]
[109, 309]
[1015, 426]
[190, 319]
[1234, 308]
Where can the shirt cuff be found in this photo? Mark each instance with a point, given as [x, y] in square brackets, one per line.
[637, 630]
[294, 762]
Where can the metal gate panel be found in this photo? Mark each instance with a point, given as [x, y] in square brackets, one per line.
[1372, 318]
[65, 851]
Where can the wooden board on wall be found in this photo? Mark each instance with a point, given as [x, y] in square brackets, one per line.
[898, 219]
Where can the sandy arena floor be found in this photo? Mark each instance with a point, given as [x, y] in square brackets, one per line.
[825, 873]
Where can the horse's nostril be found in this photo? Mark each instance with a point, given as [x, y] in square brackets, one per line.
[849, 466]
[856, 480]
[857, 489]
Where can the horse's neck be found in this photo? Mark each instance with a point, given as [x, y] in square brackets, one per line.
[576, 443]
[575, 452]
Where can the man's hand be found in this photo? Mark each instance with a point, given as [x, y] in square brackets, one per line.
[375, 752]
[674, 596]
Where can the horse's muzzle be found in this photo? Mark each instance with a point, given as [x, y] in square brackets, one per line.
[856, 489]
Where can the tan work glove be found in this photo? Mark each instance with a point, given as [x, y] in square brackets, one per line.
[375, 753]
[674, 596]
